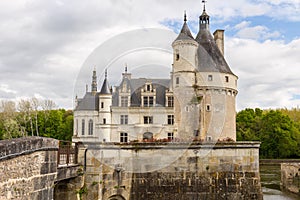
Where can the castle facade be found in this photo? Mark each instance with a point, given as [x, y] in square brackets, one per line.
[197, 102]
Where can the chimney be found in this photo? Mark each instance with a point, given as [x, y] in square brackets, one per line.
[219, 39]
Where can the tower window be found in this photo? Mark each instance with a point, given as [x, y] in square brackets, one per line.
[177, 56]
[170, 119]
[123, 137]
[124, 119]
[148, 120]
[210, 78]
[104, 120]
[90, 127]
[177, 80]
[208, 108]
[82, 127]
[226, 79]
[102, 104]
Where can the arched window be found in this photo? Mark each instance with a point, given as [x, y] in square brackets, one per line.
[82, 127]
[90, 127]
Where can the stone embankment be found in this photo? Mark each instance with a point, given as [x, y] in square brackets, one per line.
[290, 177]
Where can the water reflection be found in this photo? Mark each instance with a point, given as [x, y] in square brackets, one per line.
[270, 181]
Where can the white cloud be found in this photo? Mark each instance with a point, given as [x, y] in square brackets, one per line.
[43, 44]
[268, 72]
[244, 30]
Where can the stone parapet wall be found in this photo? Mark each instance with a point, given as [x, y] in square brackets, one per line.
[290, 177]
[28, 168]
[228, 170]
[25, 145]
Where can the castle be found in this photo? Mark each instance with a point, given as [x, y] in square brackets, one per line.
[124, 130]
[196, 103]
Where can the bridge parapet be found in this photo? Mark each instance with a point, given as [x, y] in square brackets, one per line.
[29, 167]
[25, 145]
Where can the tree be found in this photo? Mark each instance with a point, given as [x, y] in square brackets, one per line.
[25, 111]
[9, 124]
[248, 124]
[278, 135]
[47, 106]
[35, 103]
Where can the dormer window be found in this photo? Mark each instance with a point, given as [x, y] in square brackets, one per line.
[148, 88]
[124, 101]
[170, 101]
[148, 101]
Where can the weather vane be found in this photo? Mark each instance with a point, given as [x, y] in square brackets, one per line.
[204, 2]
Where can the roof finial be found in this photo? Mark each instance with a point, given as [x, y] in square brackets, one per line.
[204, 2]
[125, 67]
[185, 16]
[105, 73]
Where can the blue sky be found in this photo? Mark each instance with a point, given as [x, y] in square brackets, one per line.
[44, 44]
[285, 30]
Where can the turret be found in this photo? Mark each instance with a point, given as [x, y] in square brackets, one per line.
[105, 103]
[184, 77]
[216, 84]
[184, 50]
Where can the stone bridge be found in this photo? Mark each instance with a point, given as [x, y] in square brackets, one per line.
[31, 167]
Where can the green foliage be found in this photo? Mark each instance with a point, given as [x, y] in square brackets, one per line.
[82, 191]
[277, 130]
[54, 123]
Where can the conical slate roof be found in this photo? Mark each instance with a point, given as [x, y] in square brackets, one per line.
[210, 58]
[105, 87]
[185, 33]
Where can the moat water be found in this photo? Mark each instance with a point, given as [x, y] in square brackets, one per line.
[270, 180]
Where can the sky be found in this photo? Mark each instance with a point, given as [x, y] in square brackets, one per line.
[44, 45]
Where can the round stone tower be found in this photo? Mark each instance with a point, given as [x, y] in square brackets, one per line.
[184, 78]
[206, 89]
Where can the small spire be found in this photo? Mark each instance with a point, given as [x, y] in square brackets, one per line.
[185, 16]
[125, 67]
[105, 73]
[204, 2]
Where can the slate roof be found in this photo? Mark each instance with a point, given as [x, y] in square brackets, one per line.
[210, 58]
[136, 85]
[185, 33]
[88, 102]
[105, 87]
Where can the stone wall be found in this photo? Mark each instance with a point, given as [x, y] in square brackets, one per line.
[290, 177]
[28, 168]
[172, 171]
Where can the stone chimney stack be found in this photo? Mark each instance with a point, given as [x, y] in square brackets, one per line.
[219, 39]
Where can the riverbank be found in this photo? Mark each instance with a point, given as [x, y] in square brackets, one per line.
[270, 182]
